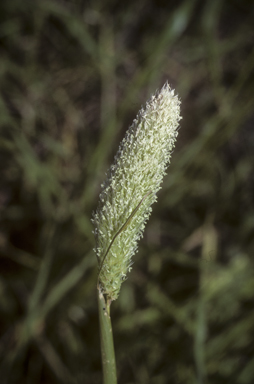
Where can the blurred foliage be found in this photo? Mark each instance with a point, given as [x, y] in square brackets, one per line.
[73, 74]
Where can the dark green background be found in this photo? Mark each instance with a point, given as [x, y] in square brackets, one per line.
[73, 75]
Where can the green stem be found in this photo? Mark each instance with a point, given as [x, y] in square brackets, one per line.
[107, 344]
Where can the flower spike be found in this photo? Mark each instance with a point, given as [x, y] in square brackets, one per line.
[131, 185]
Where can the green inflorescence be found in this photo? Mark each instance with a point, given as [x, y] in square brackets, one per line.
[130, 188]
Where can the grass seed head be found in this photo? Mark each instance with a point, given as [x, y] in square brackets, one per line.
[131, 186]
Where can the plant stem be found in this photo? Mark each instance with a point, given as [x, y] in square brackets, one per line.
[107, 344]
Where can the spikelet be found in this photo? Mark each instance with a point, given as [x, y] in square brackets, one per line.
[131, 185]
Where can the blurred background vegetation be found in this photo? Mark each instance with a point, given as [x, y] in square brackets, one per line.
[73, 75]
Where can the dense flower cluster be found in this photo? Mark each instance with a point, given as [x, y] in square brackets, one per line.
[130, 188]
